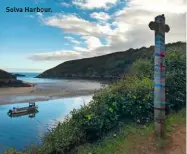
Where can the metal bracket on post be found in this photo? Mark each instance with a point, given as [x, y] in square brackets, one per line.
[159, 72]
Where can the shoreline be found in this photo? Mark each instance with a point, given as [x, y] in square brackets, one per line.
[45, 91]
[93, 79]
[32, 94]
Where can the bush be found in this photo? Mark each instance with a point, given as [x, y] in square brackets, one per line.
[128, 100]
[176, 80]
[29, 150]
[108, 108]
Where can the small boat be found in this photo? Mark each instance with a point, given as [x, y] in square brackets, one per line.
[31, 114]
[24, 110]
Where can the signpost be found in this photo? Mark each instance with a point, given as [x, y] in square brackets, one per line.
[159, 72]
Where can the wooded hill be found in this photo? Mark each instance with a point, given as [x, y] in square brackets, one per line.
[110, 66]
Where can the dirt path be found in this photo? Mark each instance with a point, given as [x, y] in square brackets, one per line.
[178, 142]
[175, 143]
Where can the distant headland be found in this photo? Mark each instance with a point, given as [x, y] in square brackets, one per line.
[10, 80]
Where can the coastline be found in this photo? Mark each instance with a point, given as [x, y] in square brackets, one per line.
[33, 94]
[91, 79]
[42, 91]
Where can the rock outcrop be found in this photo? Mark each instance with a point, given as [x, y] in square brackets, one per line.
[10, 80]
[18, 75]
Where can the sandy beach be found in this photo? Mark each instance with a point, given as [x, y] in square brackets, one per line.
[44, 92]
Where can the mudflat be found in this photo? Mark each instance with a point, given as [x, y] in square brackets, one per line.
[45, 92]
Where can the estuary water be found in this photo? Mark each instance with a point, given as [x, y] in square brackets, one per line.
[19, 132]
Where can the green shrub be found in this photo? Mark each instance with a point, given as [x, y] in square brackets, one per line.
[128, 100]
[176, 80]
[108, 108]
[32, 149]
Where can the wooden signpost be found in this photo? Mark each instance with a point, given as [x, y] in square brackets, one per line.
[159, 72]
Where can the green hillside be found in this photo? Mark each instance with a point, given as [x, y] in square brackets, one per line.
[108, 66]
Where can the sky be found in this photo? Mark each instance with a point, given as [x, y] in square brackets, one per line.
[75, 29]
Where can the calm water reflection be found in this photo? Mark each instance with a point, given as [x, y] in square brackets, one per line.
[19, 132]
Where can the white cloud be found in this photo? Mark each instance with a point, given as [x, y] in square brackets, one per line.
[39, 14]
[81, 49]
[65, 4]
[23, 69]
[92, 42]
[91, 4]
[131, 27]
[100, 16]
[76, 25]
[75, 42]
[71, 39]
[159, 6]
[138, 15]
[63, 55]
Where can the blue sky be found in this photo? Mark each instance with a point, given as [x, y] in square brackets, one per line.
[31, 41]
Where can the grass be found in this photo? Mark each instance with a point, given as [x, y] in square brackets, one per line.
[129, 137]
